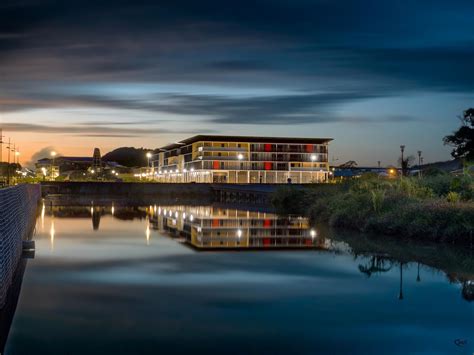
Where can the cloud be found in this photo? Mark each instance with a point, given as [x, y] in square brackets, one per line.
[42, 153]
[93, 131]
[311, 57]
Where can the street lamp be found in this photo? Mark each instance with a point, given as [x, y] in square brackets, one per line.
[240, 156]
[53, 154]
[148, 155]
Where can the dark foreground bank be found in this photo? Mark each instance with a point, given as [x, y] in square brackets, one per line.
[437, 208]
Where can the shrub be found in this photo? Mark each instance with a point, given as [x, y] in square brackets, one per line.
[417, 208]
[378, 197]
[453, 197]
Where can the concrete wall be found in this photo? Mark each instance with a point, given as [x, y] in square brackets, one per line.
[124, 189]
[18, 206]
[140, 194]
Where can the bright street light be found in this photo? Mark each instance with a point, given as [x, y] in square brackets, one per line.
[240, 156]
[313, 157]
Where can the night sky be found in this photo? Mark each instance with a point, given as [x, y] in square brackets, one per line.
[75, 75]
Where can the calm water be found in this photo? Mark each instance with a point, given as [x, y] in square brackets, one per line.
[135, 281]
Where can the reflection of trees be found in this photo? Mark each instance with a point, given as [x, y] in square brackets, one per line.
[456, 262]
[376, 264]
[468, 290]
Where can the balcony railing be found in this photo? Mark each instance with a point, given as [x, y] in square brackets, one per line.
[214, 157]
[301, 168]
[221, 149]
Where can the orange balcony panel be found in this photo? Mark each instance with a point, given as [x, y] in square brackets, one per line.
[215, 164]
[309, 148]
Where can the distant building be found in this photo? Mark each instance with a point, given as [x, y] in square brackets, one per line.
[53, 167]
[239, 159]
[45, 167]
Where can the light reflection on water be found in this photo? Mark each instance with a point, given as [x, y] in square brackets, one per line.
[168, 279]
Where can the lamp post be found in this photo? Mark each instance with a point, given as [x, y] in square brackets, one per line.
[53, 155]
[148, 156]
[419, 163]
[402, 149]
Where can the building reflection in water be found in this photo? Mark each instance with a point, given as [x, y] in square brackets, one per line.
[216, 227]
[147, 233]
[209, 227]
[96, 213]
[52, 233]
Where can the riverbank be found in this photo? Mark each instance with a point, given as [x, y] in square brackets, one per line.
[437, 208]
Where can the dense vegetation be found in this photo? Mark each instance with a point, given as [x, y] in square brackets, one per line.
[128, 156]
[463, 139]
[438, 207]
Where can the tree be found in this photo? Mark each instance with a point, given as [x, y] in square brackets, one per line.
[463, 139]
[406, 164]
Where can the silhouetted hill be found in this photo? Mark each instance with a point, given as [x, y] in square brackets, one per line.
[128, 156]
[449, 165]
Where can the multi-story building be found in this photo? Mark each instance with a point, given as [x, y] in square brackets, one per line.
[238, 159]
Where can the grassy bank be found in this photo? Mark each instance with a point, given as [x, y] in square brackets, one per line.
[438, 208]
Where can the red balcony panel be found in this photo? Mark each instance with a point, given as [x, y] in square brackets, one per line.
[308, 242]
[215, 223]
[309, 148]
[266, 241]
[268, 147]
[268, 165]
[267, 223]
[215, 164]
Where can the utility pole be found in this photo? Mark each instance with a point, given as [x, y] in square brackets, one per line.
[1, 145]
[419, 163]
[402, 149]
[8, 165]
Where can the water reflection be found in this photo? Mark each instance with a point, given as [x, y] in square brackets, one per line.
[9, 305]
[210, 227]
[313, 290]
[213, 227]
